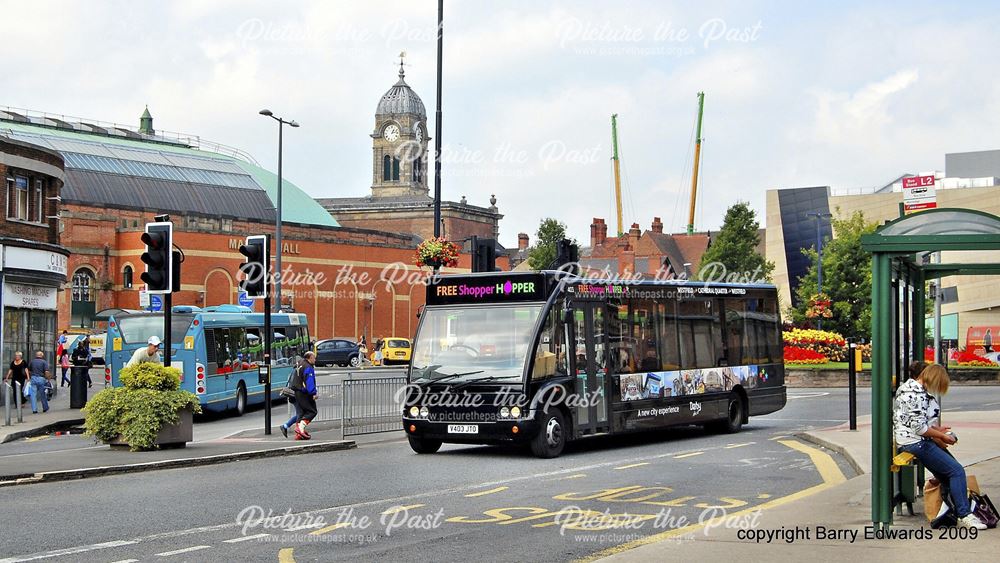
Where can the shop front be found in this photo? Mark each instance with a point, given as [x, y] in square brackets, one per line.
[31, 278]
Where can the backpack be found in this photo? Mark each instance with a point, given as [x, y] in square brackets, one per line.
[294, 382]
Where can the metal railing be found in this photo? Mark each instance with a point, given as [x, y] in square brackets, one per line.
[371, 405]
[8, 390]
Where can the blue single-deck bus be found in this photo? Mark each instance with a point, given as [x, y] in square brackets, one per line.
[218, 350]
[543, 358]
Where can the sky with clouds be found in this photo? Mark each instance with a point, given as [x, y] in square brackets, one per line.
[847, 94]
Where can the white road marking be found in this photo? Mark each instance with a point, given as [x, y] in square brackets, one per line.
[185, 550]
[69, 551]
[808, 395]
[246, 538]
[127, 561]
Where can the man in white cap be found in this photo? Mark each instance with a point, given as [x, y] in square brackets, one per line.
[151, 353]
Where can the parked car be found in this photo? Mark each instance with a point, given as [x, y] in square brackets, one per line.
[394, 351]
[337, 351]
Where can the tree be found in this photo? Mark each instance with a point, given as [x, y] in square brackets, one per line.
[734, 249]
[847, 279]
[550, 232]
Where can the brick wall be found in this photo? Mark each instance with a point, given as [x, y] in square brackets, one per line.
[47, 230]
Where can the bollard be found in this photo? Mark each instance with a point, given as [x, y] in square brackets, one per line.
[6, 403]
[853, 364]
[17, 401]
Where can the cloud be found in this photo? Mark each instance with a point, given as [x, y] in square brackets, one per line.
[860, 116]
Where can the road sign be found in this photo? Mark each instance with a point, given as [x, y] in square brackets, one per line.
[155, 303]
[919, 193]
[143, 299]
[245, 300]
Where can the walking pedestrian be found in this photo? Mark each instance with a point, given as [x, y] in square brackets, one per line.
[81, 359]
[18, 373]
[305, 397]
[38, 370]
[151, 353]
[64, 364]
[294, 383]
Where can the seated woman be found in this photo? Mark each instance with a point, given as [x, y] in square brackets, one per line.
[915, 418]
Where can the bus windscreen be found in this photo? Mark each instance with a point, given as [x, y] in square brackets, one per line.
[474, 343]
[138, 329]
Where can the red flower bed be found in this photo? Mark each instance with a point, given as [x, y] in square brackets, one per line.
[970, 358]
[796, 355]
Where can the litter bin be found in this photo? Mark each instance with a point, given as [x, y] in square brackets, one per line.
[78, 387]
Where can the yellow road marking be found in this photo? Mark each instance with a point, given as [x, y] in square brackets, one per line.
[286, 555]
[763, 496]
[827, 468]
[633, 465]
[36, 438]
[682, 456]
[577, 476]
[328, 529]
[489, 492]
[824, 463]
[396, 509]
[731, 446]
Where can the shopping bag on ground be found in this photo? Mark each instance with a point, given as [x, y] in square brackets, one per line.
[984, 509]
[932, 499]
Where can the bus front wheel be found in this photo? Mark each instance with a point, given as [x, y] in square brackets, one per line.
[423, 445]
[551, 437]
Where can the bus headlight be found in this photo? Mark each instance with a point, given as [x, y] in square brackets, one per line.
[414, 412]
[515, 412]
[504, 412]
[424, 412]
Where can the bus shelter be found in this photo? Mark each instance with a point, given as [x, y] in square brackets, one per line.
[900, 268]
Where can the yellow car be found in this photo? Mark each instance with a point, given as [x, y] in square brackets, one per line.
[393, 351]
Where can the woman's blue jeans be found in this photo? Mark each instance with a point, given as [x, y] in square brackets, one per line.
[947, 470]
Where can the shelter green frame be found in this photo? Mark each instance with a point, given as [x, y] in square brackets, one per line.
[898, 300]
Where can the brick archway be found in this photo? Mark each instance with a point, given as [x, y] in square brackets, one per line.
[218, 288]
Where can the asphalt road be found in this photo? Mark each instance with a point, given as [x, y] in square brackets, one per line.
[466, 502]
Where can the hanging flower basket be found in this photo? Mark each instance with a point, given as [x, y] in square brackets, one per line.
[819, 307]
[437, 253]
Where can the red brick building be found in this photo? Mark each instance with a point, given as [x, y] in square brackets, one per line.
[32, 262]
[643, 252]
[349, 280]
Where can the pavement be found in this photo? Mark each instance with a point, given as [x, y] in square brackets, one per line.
[829, 522]
[59, 415]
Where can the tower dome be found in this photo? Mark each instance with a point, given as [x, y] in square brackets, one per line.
[400, 99]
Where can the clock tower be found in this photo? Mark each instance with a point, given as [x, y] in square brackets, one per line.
[399, 143]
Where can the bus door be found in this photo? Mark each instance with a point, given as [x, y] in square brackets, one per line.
[591, 356]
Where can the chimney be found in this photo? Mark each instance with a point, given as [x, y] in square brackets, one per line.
[598, 232]
[633, 235]
[657, 225]
[522, 241]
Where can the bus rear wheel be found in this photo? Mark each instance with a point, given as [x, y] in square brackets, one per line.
[551, 437]
[423, 445]
[733, 422]
[241, 400]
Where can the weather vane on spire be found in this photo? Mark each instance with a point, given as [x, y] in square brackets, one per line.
[402, 55]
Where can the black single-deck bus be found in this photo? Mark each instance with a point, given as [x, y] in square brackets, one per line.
[545, 357]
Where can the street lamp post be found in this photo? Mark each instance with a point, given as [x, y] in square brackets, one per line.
[277, 226]
[819, 216]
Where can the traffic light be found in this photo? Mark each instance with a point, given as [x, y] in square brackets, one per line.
[484, 255]
[567, 257]
[158, 239]
[254, 270]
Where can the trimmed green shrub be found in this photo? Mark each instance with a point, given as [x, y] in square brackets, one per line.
[149, 400]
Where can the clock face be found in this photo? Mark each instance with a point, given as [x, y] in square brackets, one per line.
[391, 133]
[418, 131]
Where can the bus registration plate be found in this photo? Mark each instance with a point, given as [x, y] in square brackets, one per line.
[463, 429]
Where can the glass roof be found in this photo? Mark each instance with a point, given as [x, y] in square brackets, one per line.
[943, 222]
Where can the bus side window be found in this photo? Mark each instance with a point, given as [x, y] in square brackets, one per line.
[737, 351]
[237, 339]
[255, 346]
[670, 358]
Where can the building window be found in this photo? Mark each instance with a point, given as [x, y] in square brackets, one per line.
[395, 169]
[39, 202]
[83, 308]
[127, 277]
[416, 170]
[386, 168]
[17, 198]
